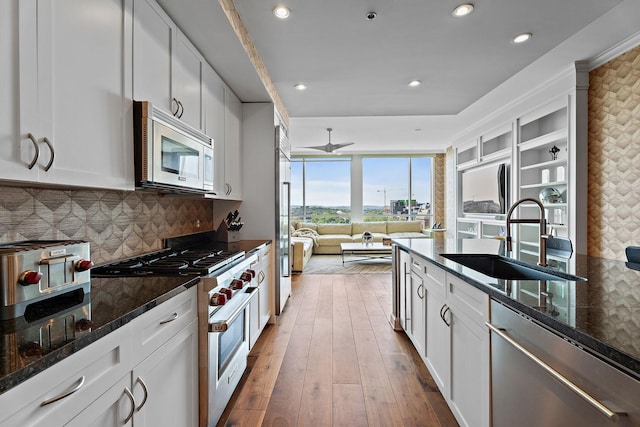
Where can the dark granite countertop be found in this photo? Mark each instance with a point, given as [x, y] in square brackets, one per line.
[601, 315]
[111, 303]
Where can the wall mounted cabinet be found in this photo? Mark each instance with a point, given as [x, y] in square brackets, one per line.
[167, 68]
[68, 120]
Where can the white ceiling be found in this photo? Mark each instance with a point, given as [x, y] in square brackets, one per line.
[357, 70]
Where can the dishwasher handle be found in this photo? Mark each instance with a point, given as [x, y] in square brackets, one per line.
[612, 415]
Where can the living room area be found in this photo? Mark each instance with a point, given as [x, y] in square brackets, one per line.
[345, 210]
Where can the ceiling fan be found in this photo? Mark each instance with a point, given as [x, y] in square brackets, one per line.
[329, 147]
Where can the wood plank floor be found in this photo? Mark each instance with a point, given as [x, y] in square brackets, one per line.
[334, 360]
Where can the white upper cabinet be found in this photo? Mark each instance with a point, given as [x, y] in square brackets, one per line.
[68, 120]
[232, 147]
[223, 121]
[167, 68]
[154, 35]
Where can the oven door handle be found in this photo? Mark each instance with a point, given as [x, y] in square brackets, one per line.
[223, 325]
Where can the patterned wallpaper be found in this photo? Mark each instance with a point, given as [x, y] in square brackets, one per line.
[614, 156]
[117, 224]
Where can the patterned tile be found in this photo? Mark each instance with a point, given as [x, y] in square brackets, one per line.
[614, 156]
[117, 224]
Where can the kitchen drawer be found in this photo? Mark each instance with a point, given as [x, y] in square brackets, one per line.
[100, 364]
[155, 327]
[468, 300]
[419, 265]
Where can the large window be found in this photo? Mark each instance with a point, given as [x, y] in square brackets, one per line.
[396, 188]
[321, 190]
[391, 188]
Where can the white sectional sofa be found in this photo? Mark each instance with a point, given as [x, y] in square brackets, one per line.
[310, 238]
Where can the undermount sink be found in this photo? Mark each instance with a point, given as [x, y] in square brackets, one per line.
[500, 267]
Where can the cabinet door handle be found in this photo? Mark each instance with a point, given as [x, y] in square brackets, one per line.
[446, 308]
[175, 113]
[35, 145]
[146, 393]
[261, 277]
[133, 404]
[418, 292]
[612, 415]
[173, 317]
[78, 385]
[53, 153]
[181, 109]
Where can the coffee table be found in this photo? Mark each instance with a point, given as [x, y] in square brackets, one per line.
[372, 250]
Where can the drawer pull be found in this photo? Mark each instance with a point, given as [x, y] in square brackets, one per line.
[612, 415]
[173, 317]
[146, 393]
[133, 404]
[69, 392]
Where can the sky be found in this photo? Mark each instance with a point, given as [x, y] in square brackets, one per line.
[328, 183]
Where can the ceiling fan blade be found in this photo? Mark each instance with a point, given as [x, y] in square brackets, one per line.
[329, 147]
[344, 144]
[325, 147]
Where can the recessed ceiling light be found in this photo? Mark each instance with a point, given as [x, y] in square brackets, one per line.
[300, 86]
[414, 83]
[462, 10]
[521, 38]
[281, 12]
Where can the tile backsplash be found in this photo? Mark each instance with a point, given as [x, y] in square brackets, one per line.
[117, 224]
[614, 156]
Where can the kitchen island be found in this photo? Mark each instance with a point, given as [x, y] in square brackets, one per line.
[595, 320]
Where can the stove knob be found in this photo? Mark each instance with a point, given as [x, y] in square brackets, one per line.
[83, 325]
[84, 265]
[29, 277]
[31, 349]
[246, 276]
[217, 299]
[228, 292]
[237, 284]
[252, 272]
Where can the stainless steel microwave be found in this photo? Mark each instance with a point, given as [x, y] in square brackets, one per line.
[170, 156]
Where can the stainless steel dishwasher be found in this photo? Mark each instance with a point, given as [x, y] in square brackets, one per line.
[541, 379]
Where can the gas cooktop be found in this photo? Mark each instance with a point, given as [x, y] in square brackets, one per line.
[168, 262]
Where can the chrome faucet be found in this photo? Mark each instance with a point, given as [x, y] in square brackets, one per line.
[542, 254]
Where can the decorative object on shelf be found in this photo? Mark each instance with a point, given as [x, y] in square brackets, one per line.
[545, 176]
[560, 173]
[386, 241]
[550, 195]
[367, 238]
[554, 152]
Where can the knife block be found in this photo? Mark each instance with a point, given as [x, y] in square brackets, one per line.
[225, 235]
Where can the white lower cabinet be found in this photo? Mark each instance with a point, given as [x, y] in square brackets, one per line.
[260, 311]
[456, 346]
[416, 315]
[109, 410]
[118, 380]
[165, 384]
[55, 396]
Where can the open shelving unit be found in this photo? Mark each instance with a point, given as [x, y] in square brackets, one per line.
[543, 160]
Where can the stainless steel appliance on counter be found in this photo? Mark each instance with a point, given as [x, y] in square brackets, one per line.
[35, 270]
[227, 286]
[169, 155]
[541, 379]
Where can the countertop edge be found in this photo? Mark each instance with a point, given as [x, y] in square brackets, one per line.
[25, 373]
[619, 359]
